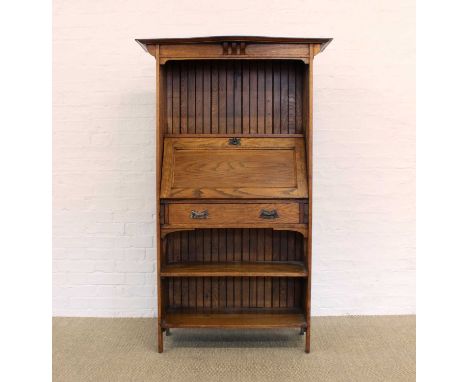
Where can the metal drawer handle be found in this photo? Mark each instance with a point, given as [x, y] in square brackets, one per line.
[269, 214]
[234, 141]
[199, 214]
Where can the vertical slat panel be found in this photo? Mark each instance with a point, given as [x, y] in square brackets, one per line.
[268, 98]
[284, 245]
[183, 246]
[170, 291]
[222, 98]
[260, 257]
[199, 297]
[299, 249]
[169, 252]
[299, 96]
[176, 99]
[229, 258]
[169, 100]
[199, 258]
[176, 247]
[261, 98]
[283, 292]
[253, 98]
[214, 258]
[207, 242]
[206, 98]
[185, 292]
[176, 259]
[232, 293]
[245, 258]
[191, 121]
[237, 97]
[237, 245]
[298, 293]
[192, 251]
[291, 99]
[222, 280]
[245, 97]
[215, 294]
[207, 290]
[256, 97]
[199, 90]
[253, 257]
[275, 293]
[230, 98]
[276, 98]
[183, 99]
[177, 292]
[284, 98]
[237, 257]
[268, 257]
[214, 99]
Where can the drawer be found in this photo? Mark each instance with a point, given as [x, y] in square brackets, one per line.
[228, 214]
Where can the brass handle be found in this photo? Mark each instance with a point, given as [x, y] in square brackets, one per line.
[234, 141]
[199, 214]
[269, 214]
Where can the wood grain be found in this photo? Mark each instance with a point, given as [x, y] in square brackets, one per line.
[239, 98]
[229, 214]
[233, 269]
[234, 321]
[212, 168]
[239, 269]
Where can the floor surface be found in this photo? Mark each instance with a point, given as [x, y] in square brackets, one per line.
[351, 348]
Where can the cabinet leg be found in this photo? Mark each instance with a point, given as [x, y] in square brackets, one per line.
[307, 342]
[168, 332]
[160, 339]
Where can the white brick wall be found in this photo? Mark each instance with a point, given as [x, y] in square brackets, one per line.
[104, 108]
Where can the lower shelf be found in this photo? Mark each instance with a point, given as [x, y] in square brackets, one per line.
[235, 321]
[258, 269]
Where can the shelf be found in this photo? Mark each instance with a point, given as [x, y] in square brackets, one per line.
[235, 321]
[263, 269]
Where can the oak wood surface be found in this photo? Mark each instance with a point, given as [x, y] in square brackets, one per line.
[239, 269]
[230, 214]
[234, 44]
[228, 267]
[243, 97]
[213, 168]
[234, 321]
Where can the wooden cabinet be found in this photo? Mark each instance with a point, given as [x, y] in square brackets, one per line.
[234, 181]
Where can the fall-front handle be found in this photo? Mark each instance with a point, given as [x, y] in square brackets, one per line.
[269, 214]
[199, 214]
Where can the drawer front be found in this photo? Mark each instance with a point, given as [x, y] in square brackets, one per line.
[200, 214]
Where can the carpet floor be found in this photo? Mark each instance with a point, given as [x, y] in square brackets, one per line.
[351, 348]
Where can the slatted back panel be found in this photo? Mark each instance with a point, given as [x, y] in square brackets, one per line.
[230, 245]
[231, 294]
[234, 97]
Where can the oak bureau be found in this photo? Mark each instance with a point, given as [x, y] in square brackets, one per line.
[234, 181]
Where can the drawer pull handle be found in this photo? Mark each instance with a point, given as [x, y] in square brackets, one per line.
[234, 141]
[269, 214]
[199, 214]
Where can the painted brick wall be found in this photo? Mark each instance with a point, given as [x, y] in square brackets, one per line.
[103, 142]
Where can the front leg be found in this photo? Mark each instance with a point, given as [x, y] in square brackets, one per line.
[160, 338]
